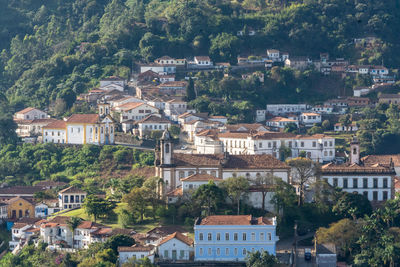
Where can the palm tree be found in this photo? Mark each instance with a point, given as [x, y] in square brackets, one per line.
[72, 224]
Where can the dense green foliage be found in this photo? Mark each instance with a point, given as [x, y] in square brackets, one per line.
[24, 164]
[58, 49]
[369, 241]
[379, 131]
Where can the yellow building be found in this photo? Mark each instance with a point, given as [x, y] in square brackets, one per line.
[19, 207]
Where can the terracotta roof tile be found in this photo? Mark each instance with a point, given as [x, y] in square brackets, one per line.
[235, 220]
[382, 159]
[59, 124]
[180, 237]
[20, 190]
[233, 162]
[136, 248]
[26, 110]
[332, 168]
[83, 118]
[72, 189]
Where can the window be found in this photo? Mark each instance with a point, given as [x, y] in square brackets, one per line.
[209, 237]
[226, 251]
[236, 251]
[235, 236]
[201, 251]
[314, 144]
[385, 195]
[261, 236]
[165, 253]
[218, 251]
[227, 236]
[269, 236]
[209, 251]
[269, 144]
[345, 183]
[181, 174]
[375, 182]
[167, 148]
[335, 182]
[253, 236]
[244, 251]
[182, 254]
[365, 182]
[385, 183]
[301, 144]
[218, 236]
[201, 237]
[365, 194]
[355, 183]
[244, 236]
[375, 195]
[260, 145]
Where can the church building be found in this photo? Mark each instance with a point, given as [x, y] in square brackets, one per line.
[173, 167]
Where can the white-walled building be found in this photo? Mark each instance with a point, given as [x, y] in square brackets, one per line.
[175, 107]
[151, 123]
[90, 129]
[318, 147]
[27, 128]
[194, 181]
[232, 237]
[339, 127]
[136, 253]
[3, 211]
[55, 132]
[175, 247]
[113, 80]
[135, 111]
[376, 182]
[310, 118]
[71, 197]
[280, 122]
[207, 142]
[203, 61]
[30, 114]
[172, 167]
[282, 109]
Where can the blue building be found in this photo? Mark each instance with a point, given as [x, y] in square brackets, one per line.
[231, 237]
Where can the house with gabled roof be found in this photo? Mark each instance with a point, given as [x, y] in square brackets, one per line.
[135, 111]
[153, 122]
[135, 253]
[174, 247]
[30, 113]
[71, 197]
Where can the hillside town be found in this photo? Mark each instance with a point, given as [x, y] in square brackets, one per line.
[296, 144]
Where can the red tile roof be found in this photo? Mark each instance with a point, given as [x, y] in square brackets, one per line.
[83, 118]
[381, 159]
[26, 110]
[89, 225]
[72, 189]
[59, 124]
[136, 248]
[235, 220]
[180, 237]
[233, 161]
[377, 169]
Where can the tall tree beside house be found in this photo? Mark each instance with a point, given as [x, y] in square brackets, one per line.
[210, 196]
[345, 120]
[303, 171]
[264, 183]
[236, 188]
[7, 124]
[72, 224]
[190, 91]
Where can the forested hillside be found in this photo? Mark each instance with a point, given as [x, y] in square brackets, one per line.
[58, 49]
